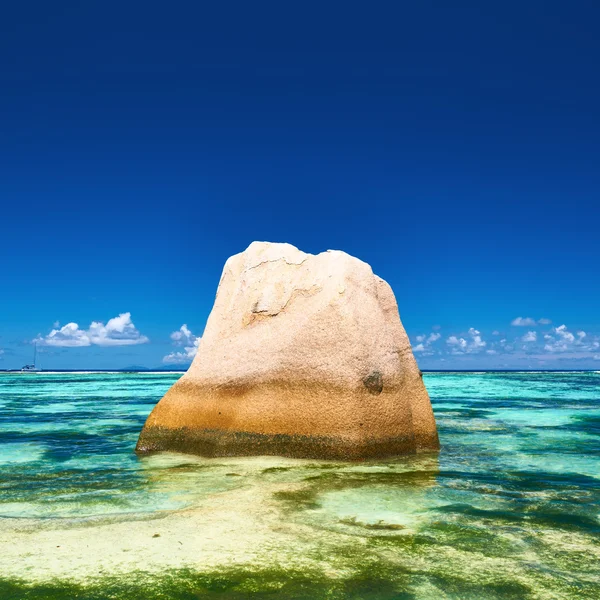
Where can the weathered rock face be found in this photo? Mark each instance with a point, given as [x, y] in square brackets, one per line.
[302, 356]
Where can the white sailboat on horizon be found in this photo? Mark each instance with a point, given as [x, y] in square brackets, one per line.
[31, 368]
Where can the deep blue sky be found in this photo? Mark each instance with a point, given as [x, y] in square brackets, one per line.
[454, 148]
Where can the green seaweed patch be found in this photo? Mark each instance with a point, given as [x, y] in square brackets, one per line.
[298, 499]
[344, 480]
[328, 466]
[276, 470]
[471, 538]
[368, 582]
[504, 589]
[186, 467]
[415, 544]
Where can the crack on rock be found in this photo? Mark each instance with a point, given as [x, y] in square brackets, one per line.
[305, 293]
[291, 264]
[260, 315]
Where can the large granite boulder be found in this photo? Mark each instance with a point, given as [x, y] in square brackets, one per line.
[302, 356]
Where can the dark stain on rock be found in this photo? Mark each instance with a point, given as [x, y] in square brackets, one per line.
[374, 383]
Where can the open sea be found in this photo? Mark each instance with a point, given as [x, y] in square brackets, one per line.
[509, 509]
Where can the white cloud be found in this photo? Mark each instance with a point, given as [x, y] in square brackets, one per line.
[544, 321]
[523, 322]
[563, 340]
[458, 342]
[56, 325]
[425, 342]
[477, 341]
[1, 353]
[495, 332]
[467, 346]
[68, 336]
[564, 334]
[118, 331]
[183, 337]
[530, 336]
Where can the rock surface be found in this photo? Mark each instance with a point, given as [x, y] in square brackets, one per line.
[302, 356]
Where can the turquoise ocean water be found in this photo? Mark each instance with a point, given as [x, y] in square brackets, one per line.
[510, 508]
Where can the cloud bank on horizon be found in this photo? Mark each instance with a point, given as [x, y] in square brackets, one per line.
[553, 343]
[540, 342]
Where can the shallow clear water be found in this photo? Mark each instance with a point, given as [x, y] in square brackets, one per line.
[510, 508]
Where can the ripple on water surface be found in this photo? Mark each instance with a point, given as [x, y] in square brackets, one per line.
[509, 508]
